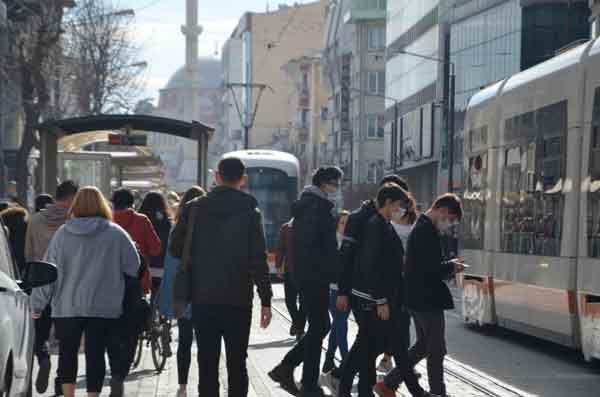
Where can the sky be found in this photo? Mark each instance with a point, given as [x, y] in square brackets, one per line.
[157, 29]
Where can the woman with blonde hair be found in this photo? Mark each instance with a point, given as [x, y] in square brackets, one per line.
[92, 255]
[165, 301]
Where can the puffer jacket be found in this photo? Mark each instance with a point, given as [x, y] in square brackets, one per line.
[315, 240]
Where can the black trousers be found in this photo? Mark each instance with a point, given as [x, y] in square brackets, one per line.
[97, 333]
[431, 344]
[42, 334]
[399, 337]
[370, 342]
[293, 302]
[308, 350]
[121, 350]
[212, 324]
[184, 349]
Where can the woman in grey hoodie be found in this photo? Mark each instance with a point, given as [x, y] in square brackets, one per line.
[92, 255]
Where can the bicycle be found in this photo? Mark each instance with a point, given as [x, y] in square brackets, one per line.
[157, 336]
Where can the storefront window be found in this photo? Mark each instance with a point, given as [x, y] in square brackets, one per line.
[532, 181]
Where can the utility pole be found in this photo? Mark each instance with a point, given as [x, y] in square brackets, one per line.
[247, 122]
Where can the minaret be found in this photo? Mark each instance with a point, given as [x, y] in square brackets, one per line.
[191, 30]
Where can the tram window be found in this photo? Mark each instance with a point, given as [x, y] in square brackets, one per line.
[532, 182]
[472, 227]
[593, 219]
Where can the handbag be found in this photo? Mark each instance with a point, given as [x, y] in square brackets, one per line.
[182, 284]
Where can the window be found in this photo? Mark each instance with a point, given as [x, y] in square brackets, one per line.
[303, 118]
[304, 81]
[375, 126]
[374, 171]
[376, 37]
[6, 264]
[532, 181]
[593, 219]
[376, 82]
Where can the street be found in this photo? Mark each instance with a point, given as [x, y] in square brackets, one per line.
[511, 364]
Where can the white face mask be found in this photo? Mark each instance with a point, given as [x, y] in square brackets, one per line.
[444, 226]
[398, 214]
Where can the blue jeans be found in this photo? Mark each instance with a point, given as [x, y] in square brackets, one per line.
[338, 337]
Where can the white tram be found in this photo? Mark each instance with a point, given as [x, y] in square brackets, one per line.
[273, 181]
[531, 230]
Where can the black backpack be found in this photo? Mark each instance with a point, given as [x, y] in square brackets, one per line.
[136, 308]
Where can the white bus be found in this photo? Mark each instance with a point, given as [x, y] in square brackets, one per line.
[273, 181]
[531, 230]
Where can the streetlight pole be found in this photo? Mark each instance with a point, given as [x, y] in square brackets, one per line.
[450, 104]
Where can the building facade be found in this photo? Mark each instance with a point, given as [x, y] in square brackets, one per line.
[414, 91]
[307, 112]
[354, 66]
[494, 39]
[258, 48]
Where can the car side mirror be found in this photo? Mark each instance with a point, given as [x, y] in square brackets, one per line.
[39, 274]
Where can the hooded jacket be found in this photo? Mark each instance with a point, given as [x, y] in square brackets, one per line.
[92, 256]
[351, 243]
[228, 254]
[141, 231]
[315, 240]
[41, 229]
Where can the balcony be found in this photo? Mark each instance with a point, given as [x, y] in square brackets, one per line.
[366, 10]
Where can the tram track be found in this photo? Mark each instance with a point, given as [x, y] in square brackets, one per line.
[483, 383]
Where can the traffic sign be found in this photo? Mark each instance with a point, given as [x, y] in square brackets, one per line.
[127, 140]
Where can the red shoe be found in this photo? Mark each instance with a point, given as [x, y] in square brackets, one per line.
[383, 391]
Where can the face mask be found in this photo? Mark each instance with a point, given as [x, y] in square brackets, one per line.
[444, 226]
[398, 214]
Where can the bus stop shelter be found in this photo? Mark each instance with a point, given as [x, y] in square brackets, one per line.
[51, 131]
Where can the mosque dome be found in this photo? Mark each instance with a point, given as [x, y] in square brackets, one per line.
[208, 74]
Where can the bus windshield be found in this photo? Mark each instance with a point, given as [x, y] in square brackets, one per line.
[275, 192]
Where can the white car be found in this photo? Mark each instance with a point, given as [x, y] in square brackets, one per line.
[16, 325]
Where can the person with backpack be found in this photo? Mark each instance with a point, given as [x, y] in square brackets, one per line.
[315, 262]
[284, 263]
[223, 258]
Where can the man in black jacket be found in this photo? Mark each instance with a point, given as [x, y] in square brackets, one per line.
[427, 295]
[377, 289]
[227, 257]
[315, 261]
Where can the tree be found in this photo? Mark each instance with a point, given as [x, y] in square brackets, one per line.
[34, 37]
[103, 59]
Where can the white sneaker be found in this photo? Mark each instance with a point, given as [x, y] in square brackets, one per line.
[332, 382]
[385, 365]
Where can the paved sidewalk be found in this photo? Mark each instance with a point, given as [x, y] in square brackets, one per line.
[267, 348]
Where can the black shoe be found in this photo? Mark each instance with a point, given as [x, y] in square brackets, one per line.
[284, 375]
[57, 388]
[293, 330]
[328, 365]
[117, 387]
[43, 376]
[318, 392]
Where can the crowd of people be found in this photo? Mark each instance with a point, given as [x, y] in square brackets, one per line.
[204, 254]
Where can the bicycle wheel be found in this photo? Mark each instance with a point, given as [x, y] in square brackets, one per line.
[137, 359]
[158, 343]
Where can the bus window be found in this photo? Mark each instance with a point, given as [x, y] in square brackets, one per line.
[593, 221]
[532, 182]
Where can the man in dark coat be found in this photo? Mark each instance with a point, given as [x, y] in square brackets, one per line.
[427, 295]
[227, 258]
[316, 255]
